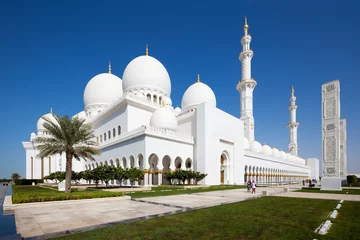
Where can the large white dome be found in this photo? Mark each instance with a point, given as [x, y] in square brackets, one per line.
[256, 147]
[197, 94]
[163, 118]
[146, 72]
[102, 90]
[41, 121]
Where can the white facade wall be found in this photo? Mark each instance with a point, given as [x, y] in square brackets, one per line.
[187, 124]
[313, 164]
[104, 125]
[137, 117]
[218, 133]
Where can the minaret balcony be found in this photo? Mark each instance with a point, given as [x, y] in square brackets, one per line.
[246, 83]
[293, 107]
[246, 54]
[293, 125]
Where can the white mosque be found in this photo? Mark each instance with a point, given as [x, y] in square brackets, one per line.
[136, 125]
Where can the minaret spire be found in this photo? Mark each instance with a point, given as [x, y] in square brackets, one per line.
[246, 86]
[293, 125]
[109, 67]
[246, 26]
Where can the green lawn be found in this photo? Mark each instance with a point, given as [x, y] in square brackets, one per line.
[262, 218]
[26, 194]
[317, 190]
[159, 191]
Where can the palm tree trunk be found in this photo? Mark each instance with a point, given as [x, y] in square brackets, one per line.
[68, 172]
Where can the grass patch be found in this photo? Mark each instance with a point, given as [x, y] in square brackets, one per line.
[165, 191]
[262, 218]
[28, 194]
[317, 190]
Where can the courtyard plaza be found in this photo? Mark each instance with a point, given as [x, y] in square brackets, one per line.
[51, 219]
[57, 218]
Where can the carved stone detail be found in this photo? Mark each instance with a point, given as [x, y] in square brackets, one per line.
[330, 107]
[331, 129]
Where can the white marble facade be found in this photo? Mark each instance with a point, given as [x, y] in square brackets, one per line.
[136, 125]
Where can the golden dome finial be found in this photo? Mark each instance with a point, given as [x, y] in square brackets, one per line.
[147, 50]
[109, 67]
[246, 26]
[198, 80]
[51, 110]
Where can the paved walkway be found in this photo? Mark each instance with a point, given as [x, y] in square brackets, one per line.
[56, 219]
[44, 220]
[329, 196]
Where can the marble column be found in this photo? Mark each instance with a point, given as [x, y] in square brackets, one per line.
[146, 177]
[159, 177]
[150, 177]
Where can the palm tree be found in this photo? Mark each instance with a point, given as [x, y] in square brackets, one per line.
[15, 176]
[70, 136]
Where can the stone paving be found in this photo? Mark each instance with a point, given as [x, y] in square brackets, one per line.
[56, 219]
[207, 199]
[47, 219]
[44, 220]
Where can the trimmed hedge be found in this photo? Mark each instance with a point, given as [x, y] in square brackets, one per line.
[5, 180]
[28, 181]
[28, 194]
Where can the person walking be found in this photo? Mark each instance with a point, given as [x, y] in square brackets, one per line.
[248, 186]
[253, 187]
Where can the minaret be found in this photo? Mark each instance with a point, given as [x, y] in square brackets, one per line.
[246, 86]
[293, 125]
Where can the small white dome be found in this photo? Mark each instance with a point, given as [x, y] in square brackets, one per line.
[32, 136]
[80, 115]
[177, 111]
[197, 94]
[289, 156]
[256, 147]
[267, 150]
[246, 143]
[276, 153]
[167, 101]
[163, 118]
[146, 72]
[41, 121]
[103, 89]
[283, 155]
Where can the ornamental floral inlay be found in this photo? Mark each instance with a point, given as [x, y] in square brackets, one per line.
[330, 107]
[330, 171]
[330, 88]
[330, 149]
[330, 127]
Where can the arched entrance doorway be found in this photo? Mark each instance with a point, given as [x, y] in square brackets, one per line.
[223, 164]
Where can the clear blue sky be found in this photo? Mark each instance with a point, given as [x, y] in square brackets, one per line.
[49, 50]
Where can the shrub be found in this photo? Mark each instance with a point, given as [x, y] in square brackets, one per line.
[28, 181]
[26, 194]
[183, 175]
[351, 179]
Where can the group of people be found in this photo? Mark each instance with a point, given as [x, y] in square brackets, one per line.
[251, 185]
[311, 182]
